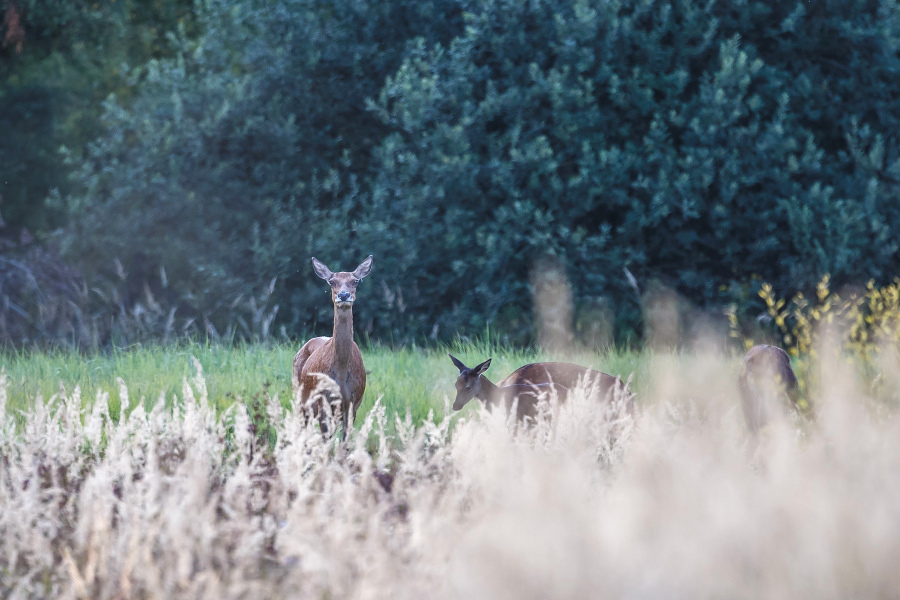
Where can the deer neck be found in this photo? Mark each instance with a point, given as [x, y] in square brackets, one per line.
[342, 337]
[490, 393]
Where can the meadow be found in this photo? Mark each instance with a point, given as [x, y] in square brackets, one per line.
[176, 496]
[408, 378]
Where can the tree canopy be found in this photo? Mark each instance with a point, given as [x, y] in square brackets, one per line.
[699, 144]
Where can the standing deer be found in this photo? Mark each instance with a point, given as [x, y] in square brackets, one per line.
[765, 379]
[526, 384]
[338, 356]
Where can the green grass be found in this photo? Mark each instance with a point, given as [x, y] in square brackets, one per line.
[231, 373]
[411, 378]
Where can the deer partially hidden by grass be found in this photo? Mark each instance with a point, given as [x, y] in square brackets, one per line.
[767, 384]
[527, 385]
[337, 357]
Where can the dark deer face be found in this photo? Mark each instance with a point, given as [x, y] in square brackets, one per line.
[468, 384]
[343, 284]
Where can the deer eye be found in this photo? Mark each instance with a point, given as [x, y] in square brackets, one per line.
[356, 281]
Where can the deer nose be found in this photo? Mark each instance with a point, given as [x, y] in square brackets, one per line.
[343, 296]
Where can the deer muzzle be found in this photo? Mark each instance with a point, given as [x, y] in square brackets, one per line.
[344, 298]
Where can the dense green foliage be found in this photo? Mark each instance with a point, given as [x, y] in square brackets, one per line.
[694, 144]
[242, 157]
[58, 61]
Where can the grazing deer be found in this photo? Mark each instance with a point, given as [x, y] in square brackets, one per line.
[765, 379]
[338, 356]
[526, 384]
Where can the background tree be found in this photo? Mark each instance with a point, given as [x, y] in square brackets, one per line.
[697, 144]
[236, 160]
[58, 61]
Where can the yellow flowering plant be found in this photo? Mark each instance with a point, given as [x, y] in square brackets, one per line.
[862, 324]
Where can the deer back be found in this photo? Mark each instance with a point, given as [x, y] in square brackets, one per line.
[566, 375]
[765, 376]
[770, 362]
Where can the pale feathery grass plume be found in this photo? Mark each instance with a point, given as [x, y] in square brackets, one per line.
[588, 501]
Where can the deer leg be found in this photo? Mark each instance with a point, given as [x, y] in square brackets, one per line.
[327, 407]
[323, 423]
[345, 419]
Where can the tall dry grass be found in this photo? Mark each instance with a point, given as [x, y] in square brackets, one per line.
[183, 503]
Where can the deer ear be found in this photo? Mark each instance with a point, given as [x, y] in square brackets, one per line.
[482, 367]
[458, 363]
[321, 270]
[364, 268]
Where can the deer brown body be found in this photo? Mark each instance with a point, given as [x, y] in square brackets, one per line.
[337, 357]
[765, 379]
[529, 383]
[570, 377]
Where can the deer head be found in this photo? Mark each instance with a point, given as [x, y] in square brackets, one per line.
[343, 284]
[468, 384]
